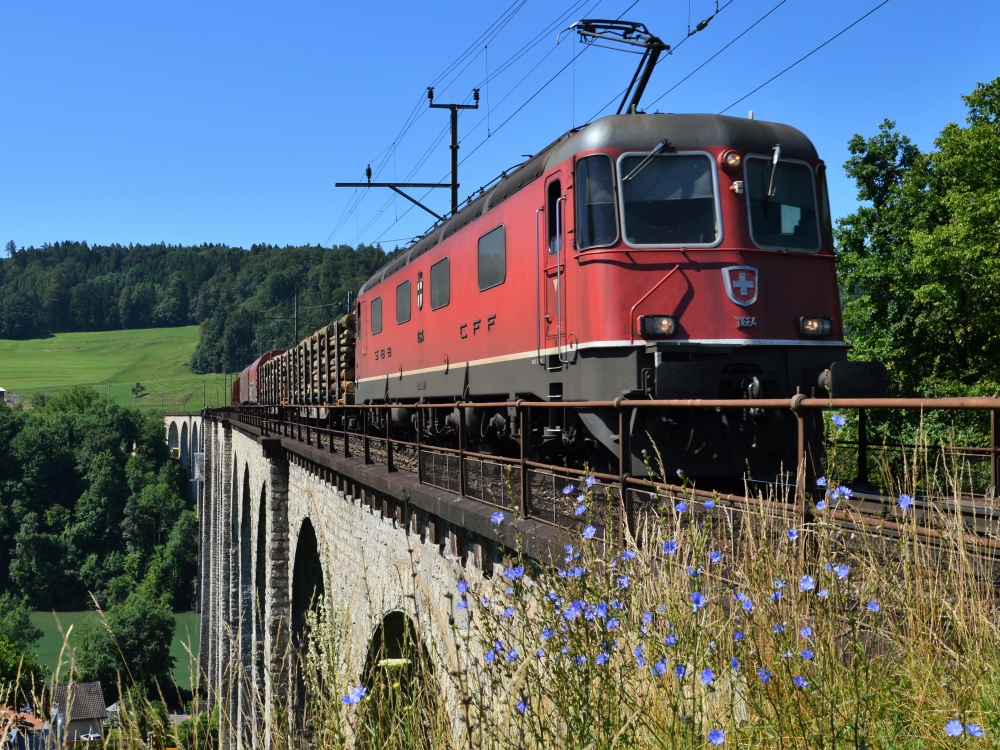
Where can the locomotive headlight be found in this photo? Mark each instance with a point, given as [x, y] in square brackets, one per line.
[657, 326]
[816, 327]
[732, 161]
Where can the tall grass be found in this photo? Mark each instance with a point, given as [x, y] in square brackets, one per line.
[719, 624]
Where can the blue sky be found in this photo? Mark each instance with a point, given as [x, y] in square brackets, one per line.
[190, 122]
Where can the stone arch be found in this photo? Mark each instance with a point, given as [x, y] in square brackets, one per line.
[398, 663]
[173, 440]
[307, 579]
[245, 623]
[308, 587]
[195, 448]
[184, 445]
[260, 590]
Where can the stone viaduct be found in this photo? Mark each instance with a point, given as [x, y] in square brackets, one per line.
[283, 522]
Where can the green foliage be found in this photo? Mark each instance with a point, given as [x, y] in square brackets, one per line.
[18, 667]
[199, 732]
[127, 645]
[919, 261]
[242, 300]
[15, 624]
[91, 504]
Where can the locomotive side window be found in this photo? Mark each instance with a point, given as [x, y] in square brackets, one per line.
[492, 258]
[781, 199]
[554, 222]
[440, 284]
[596, 214]
[403, 302]
[377, 315]
[669, 200]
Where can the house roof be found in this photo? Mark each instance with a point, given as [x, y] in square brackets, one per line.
[80, 701]
[8, 716]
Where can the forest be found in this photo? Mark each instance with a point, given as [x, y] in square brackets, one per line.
[243, 300]
[93, 514]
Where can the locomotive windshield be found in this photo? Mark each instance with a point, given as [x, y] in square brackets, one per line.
[782, 205]
[670, 200]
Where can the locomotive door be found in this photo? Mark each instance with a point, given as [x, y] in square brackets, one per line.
[551, 259]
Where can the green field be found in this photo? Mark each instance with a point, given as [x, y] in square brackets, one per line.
[55, 626]
[112, 362]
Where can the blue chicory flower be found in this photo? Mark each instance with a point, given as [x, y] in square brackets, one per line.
[591, 481]
[764, 675]
[805, 631]
[800, 682]
[716, 737]
[660, 667]
[954, 728]
[698, 600]
[807, 583]
[873, 606]
[463, 586]
[707, 676]
[807, 654]
[354, 696]
[905, 502]
[588, 532]
[670, 547]
[462, 603]
[680, 670]
[522, 706]
[838, 421]
[681, 506]
[974, 729]
[715, 556]
[568, 489]
[579, 510]
[821, 505]
[709, 504]
[497, 517]
[792, 534]
[821, 482]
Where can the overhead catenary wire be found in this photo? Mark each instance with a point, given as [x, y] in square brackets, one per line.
[804, 57]
[443, 133]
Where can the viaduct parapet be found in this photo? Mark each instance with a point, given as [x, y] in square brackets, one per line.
[284, 522]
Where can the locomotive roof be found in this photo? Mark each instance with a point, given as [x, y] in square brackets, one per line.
[633, 131]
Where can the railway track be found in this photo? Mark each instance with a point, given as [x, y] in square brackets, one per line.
[619, 505]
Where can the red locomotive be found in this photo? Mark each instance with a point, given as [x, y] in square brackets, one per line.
[650, 256]
[643, 255]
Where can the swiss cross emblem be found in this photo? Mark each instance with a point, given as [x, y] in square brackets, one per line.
[741, 284]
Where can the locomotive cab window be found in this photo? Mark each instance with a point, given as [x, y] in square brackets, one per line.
[492, 258]
[440, 284]
[553, 210]
[596, 213]
[377, 315]
[669, 199]
[403, 302]
[781, 199]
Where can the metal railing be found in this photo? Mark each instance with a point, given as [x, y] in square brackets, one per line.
[534, 490]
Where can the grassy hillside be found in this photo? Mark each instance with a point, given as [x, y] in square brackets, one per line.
[113, 362]
[56, 625]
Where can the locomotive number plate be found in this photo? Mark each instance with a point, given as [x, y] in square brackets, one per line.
[743, 322]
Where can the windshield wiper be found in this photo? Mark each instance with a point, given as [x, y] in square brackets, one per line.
[642, 165]
[774, 169]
